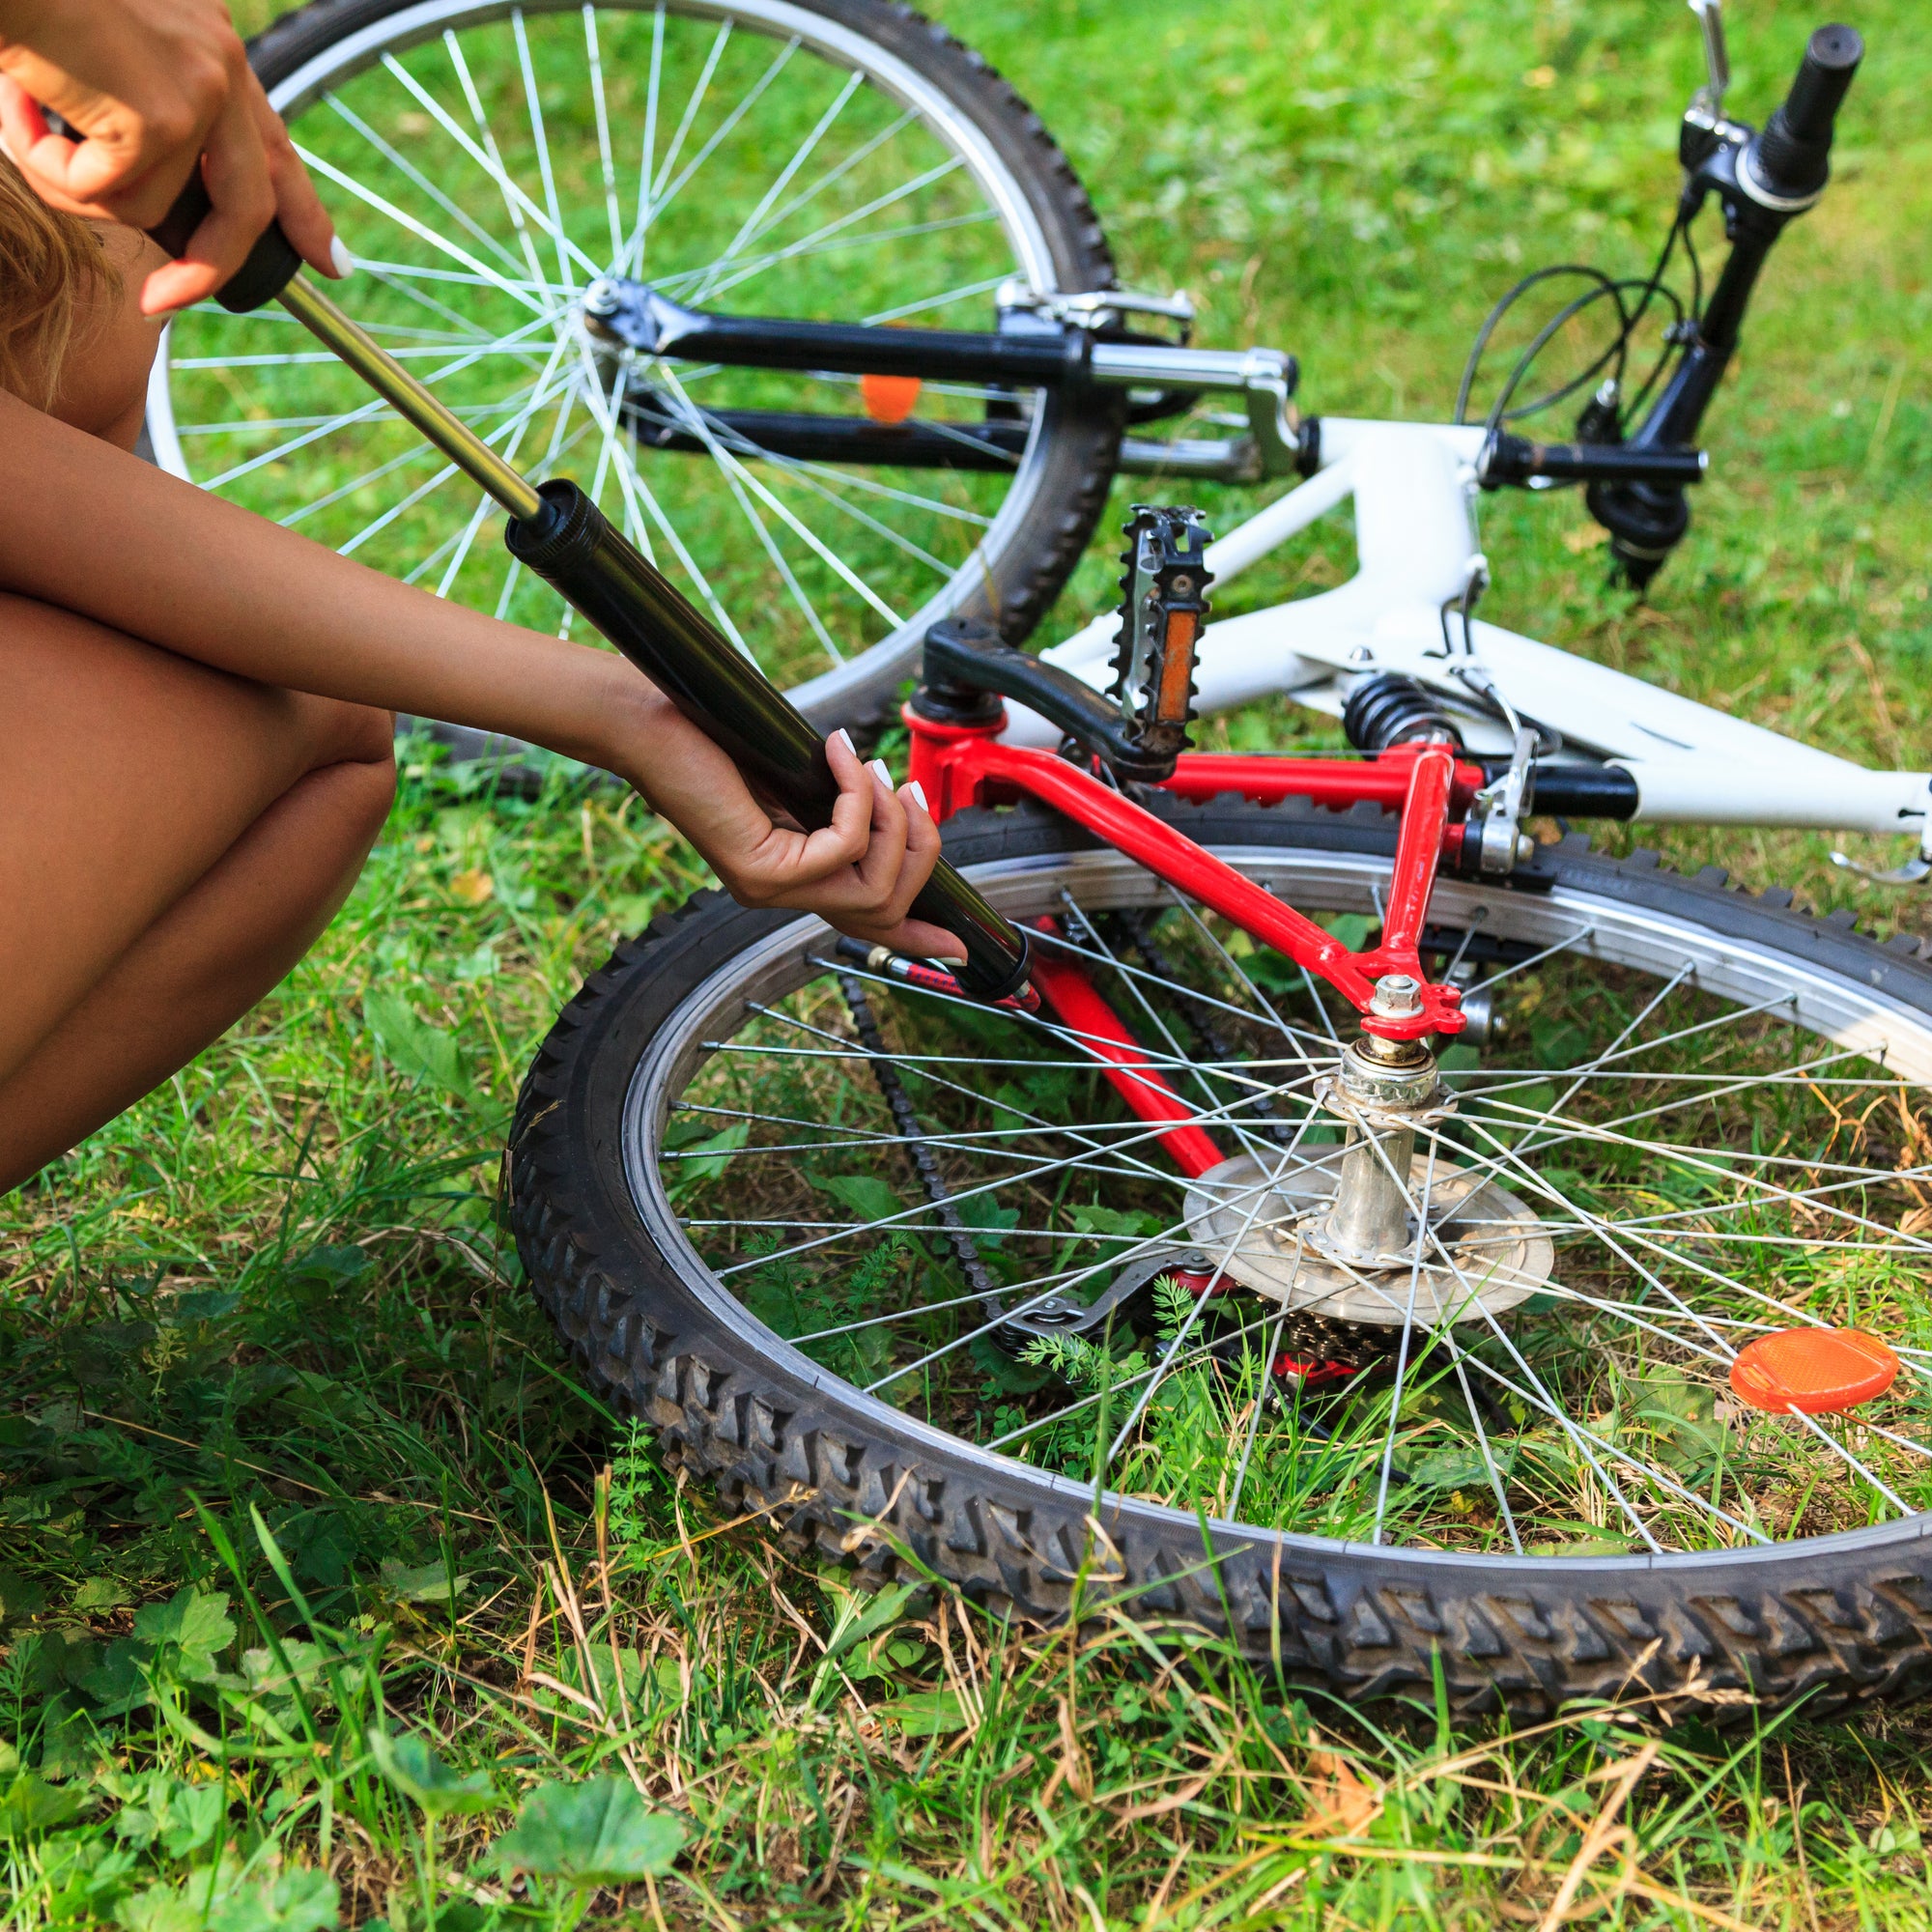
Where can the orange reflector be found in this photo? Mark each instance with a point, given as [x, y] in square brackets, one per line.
[888, 399]
[1818, 1371]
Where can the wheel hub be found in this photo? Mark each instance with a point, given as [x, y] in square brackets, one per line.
[1496, 1255]
[1340, 1234]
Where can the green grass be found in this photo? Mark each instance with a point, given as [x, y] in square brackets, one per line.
[265, 1340]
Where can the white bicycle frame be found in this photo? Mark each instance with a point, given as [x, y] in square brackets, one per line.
[1415, 539]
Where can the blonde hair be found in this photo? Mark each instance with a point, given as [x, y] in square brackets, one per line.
[50, 262]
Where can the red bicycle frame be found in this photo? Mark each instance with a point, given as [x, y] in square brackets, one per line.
[962, 765]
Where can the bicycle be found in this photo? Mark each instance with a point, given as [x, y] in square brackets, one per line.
[1137, 1284]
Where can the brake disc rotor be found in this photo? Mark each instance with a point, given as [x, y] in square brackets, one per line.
[1263, 1221]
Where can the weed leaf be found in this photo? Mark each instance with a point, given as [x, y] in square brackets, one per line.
[32, 1805]
[418, 1774]
[414, 1046]
[593, 1833]
[218, 1901]
[865, 1194]
[421, 1582]
[925, 1713]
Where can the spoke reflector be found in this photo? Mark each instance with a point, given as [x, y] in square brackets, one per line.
[1816, 1371]
[888, 399]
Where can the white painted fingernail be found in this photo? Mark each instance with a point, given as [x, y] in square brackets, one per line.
[340, 259]
[841, 732]
[881, 771]
[918, 791]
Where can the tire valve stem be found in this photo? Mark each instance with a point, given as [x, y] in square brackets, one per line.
[891, 965]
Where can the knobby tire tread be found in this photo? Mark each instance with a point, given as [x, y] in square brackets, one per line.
[1841, 1621]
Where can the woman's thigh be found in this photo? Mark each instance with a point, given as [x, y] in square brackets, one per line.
[126, 773]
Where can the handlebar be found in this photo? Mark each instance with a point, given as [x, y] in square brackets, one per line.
[1789, 161]
[1832, 58]
[1515, 459]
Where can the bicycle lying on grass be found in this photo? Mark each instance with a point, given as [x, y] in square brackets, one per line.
[1181, 1251]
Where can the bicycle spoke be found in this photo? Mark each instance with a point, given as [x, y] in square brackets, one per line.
[593, 62]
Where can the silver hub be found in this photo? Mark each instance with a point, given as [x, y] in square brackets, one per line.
[1496, 1255]
[1340, 1234]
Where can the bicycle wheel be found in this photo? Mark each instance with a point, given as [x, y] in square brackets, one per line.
[1514, 1454]
[829, 159]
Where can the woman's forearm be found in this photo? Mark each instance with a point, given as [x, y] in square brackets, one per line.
[161, 561]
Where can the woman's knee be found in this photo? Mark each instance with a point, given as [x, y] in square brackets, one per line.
[341, 733]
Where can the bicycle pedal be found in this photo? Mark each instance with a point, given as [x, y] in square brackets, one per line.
[1163, 611]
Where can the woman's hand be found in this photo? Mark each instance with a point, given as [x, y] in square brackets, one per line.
[860, 873]
[155, 88]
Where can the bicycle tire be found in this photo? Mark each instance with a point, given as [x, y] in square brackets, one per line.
[1012, 577]
[1839, 1618]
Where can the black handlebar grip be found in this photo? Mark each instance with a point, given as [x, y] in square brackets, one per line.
[1792, 156]
[272, 262]
[1832, 58]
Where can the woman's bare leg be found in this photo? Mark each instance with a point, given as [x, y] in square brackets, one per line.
[172, 840]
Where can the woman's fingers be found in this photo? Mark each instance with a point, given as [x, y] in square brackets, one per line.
[155, 94]
[862, 872]
[918, 940]
[884, 857]
[235, 171]
[297, 207]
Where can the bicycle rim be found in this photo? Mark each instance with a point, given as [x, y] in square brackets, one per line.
[1705, 1143]
[486, 163]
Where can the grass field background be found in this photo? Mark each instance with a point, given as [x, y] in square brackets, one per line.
[294, 1492]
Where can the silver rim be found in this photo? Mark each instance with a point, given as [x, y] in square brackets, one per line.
[487, 162]
[1449, 1445]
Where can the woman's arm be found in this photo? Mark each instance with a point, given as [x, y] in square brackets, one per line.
[164, 561]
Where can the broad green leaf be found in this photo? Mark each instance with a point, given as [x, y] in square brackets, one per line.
[204, 1304]
[188, 1618]
[597, 1833]
[413, 1045]
[859, 1613]
[1093, 1219]
[222, 1901]
[865, 1194]
[1004, 1373]
[330, 1265]
[708, 1158]
[100, 1592]
[20, 1597]
[925, 1713]
[264, 1676]
[118, 1682]
[417, 1773]
[30, 1803]
[988, 1220]
[194, 1815]
[1458, 1469]
[1583, 1545]
[183, 1636]
[1680, 1418]
[1352, 928]
[423, 1582]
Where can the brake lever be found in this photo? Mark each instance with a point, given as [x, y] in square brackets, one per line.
[1716, 62]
